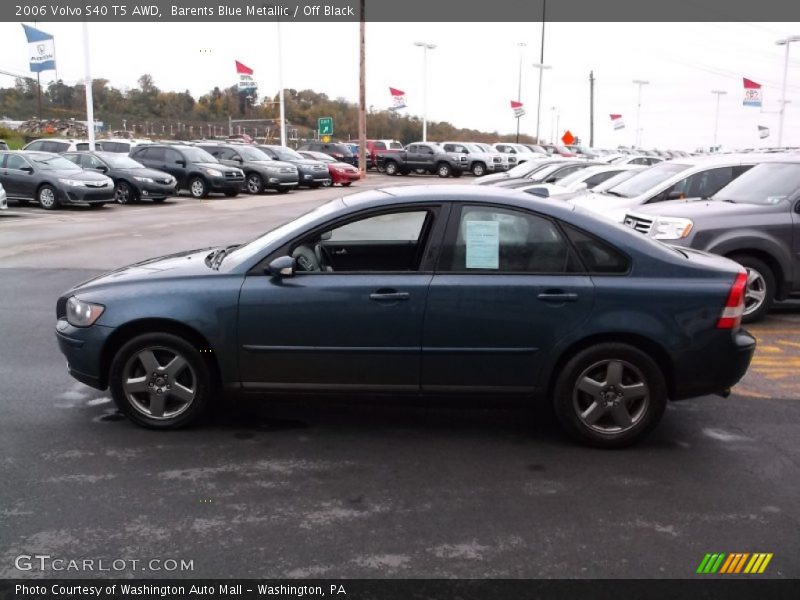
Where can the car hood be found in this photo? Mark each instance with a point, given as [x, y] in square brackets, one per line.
[699, 208]
[275, 164]
[145, 172]
[307, 162]
[79, 175]
[181, 264]
[218, 166]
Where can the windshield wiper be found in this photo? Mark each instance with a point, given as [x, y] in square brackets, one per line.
[612, 193]
[219, 255]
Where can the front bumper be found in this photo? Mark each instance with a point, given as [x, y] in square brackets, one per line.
[281, 180]
[156, 190]
[315, 178]
[83, 349]
[86, 195]
[715, 368]
[225, 184]
[346, 177]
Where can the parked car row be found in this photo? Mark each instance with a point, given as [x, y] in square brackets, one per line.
[743, 206]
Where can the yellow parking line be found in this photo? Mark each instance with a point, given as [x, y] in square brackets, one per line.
[788, 343]
[746, 392]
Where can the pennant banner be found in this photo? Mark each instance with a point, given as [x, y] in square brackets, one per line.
[41, 50]
[617, 122]
[398, 99]
[763, 132]
[246, 81]
[518, 108]
[752, 92]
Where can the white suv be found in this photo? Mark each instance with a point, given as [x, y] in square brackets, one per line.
[479, 160]
[57, 145]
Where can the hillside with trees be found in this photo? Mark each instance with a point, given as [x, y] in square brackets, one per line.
[152, 111]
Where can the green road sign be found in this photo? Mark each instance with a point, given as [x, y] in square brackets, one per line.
[325, 125]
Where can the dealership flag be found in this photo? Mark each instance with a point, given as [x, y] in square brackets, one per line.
[246, 81]
[41, 50]
[752, 92]
[763, 132]
[398, 99]
[518, 108]
[617, 122]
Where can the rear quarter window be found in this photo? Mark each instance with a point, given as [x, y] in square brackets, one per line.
[597, 256]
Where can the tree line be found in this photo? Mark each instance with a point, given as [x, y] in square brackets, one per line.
[147, 104]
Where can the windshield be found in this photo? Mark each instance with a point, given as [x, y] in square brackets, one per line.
[259, 244]
[286, 153]
[120, 161]
[474, 148]
[526, 168]
[767, 183]
[615, 180]
[395, 146]
[198, 155]
[249, 153]
[49, 162]
[579, 176]
[647, 179]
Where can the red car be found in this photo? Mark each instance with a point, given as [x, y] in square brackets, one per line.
[340, 172]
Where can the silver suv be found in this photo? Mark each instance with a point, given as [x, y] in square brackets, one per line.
[479, 161]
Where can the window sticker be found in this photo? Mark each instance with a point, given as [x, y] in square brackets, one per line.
[483, 244]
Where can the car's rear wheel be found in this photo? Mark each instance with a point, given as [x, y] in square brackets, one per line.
[610, 395]
[160, 381]
[198, 187]
[255, 183]
[47, 197]
[760, 291]
[478, 169]
[124, 193]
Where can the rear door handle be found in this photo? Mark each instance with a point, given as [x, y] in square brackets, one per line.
[558, 296]
[389, 296]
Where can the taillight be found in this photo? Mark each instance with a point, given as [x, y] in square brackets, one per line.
[731, 316]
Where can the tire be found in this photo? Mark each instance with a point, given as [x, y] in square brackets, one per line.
[198, 188]
[587, 398]
[255, 183]
[47, 197]
[231, 194]
[147, 359]
[327, 183]
[443, 170]
[421, 171]
[478, 169]
[124, 193]
[761, 287]
[390, 168]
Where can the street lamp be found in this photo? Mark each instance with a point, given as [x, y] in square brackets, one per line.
[541, 68]
[718, 93]
[784, 42]
[519, 80]
[425, 47]
[640, 83]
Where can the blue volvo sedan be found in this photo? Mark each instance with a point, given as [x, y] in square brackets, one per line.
[420, 290]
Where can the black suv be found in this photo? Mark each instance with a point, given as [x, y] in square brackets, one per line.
[194, 169]
[754, 220]
[338, 151]
[261, 172]
[52, 180]
[312, 173]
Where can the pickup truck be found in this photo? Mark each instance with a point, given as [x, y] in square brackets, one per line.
[754, 220]
[479, 161]
[424, 157]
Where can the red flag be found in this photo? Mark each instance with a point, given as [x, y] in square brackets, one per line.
[518, 108]
[396, 92]
[242, 69]
[568, 138]
[749, 84]
[515, 104]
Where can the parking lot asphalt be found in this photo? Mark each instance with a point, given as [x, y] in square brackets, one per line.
[323, 487]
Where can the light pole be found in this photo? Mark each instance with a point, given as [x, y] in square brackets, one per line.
[718, 93]
[640, 83]
[519, 81]
[425, 47]
[541, 68]
[784, 42]
[280, 85]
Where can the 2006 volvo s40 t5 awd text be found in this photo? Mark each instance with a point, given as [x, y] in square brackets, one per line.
[421, 290]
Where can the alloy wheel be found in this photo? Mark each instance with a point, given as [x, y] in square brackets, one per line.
[47, 198]
[159, 382]
[122, 194]
[611, 396]
[755, 292]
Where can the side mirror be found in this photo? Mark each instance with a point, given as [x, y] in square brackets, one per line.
[180, 162]
[238, 159]
[102, 169]
[28, 170]
[283, 266]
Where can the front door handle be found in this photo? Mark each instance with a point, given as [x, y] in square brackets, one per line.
[389, 296]
[557, 296]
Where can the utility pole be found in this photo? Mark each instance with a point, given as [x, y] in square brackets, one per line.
[425, 47]
[88, 74]
[519, 81]
[784, 42]
[362, 94]
[718, 93]
[640, 83]
[542, 67]
[280, 84]
[591, 109]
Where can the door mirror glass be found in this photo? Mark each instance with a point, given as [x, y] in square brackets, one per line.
[283, 266]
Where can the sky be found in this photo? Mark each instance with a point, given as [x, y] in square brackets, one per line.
[473, 73]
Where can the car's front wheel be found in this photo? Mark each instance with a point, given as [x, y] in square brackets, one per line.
[443, 170]
[47, 197]
[478, 169]
[160, 381]
[255, 183]
[610, 395]
[390, 168]
[198, 188]
[124, 193]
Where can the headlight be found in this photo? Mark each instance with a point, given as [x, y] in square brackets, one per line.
[83, 314]
[214, 172]
[143, 179]
[671, 228]
[71, 182]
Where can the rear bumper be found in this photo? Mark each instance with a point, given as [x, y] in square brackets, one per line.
[715, 369]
